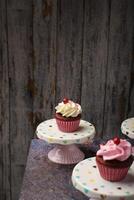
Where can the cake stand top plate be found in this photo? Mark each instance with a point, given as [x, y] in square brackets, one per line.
[86, 178]
[48, 131]
[127, 127]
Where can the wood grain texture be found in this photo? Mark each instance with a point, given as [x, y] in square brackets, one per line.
[130, 111]
[96, 23]
[19, 4]
[130, 105]
[44, 55]
[119, 65]
[5, 183]
[69, 49]
[21, 93]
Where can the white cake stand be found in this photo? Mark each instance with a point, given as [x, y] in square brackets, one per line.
[127, 127]
[65, 152]
[86, 178]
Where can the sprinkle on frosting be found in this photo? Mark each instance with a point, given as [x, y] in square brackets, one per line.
[111, 150]
[68, 109]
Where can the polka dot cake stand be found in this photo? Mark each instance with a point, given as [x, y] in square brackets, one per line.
[86, 178]
[127, 127]
[65, 151]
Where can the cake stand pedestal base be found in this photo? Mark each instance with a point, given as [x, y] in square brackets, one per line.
[66, 154]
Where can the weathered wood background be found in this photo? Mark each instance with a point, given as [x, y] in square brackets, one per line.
[82, 49]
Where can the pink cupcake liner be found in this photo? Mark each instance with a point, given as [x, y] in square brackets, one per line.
[112, 174]
[68, 126]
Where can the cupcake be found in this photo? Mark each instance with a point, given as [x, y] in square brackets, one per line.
[68, 115]
[114, 159]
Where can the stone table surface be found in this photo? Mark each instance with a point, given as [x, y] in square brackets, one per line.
[45, 180]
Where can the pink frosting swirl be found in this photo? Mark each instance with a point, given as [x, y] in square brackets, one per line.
[111, 151]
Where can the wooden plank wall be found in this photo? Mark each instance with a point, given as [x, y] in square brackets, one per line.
[82, 49]
[19, 32]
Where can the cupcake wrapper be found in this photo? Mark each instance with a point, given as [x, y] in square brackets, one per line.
[68, 126]
[112, 174]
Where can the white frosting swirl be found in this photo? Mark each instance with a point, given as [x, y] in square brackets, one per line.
[69, 109]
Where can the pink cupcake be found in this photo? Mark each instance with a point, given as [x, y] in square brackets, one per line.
[114, 159]
[68, 115]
